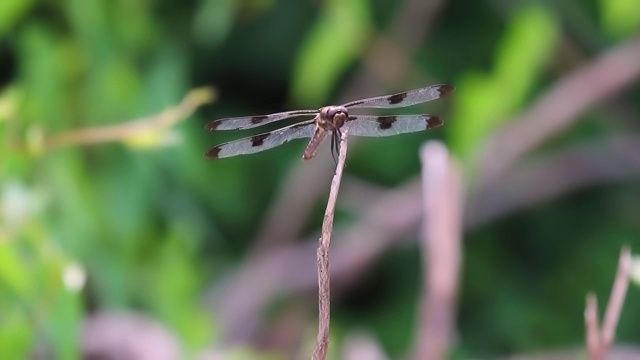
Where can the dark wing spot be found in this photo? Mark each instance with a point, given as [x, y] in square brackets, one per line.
[258, 140]
[212, 125]
[434, 122]
[397, 98]
[212, 153]
[386, 122]
[258, 119]
[352, 117]
[446, 89]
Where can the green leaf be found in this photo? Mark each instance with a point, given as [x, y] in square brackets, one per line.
[14, 273]
[620, 18]
[483, 102]
[17, 337]
[333, 44]
[64, 324]
[10, 13]
[213, 21]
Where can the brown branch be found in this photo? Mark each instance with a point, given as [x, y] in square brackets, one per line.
[123, 131]
[324, 298]
[396, 214]
[560, 106]
[441, 251]
[599, 341]
[545, 178]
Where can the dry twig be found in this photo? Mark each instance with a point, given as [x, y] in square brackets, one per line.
[165, 120]
[599, 341]
[324, 299]
[539, 180]
[560, 106]
[441, 251]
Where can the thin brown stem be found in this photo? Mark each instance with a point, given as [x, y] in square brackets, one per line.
[599, 341]
[593, 327]
[324, 298]
[616, 301]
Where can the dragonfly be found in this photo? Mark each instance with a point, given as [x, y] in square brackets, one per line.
[330, 120]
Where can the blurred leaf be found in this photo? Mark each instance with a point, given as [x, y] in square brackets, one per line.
[335, 42]
[14, 273]
[529, 44]
[10, 13]
[259, 6]
[137, 26]
[635, 270]
[17, 337]
[176, 283]
[620, 18]
[482, 102]
[112, 90]
[478, 100]
[64, 326]
[89, 20]
[165, 79]
[73, 198]
[42, 81]
[9, 99]
[213, 21]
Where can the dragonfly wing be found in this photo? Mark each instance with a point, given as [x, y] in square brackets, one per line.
[247, 122]
[377, 126]
[260, 142]
[403, 99]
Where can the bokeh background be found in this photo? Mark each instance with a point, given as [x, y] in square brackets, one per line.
[116, 235]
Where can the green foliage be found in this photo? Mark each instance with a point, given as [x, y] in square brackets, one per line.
[334, 44]
[620, 18]
[214, 20]
[484, 101]
[11, 12]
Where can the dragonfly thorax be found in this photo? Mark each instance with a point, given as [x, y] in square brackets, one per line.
[333, 116]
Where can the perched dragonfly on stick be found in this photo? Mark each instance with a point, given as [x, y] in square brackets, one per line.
[330, 120]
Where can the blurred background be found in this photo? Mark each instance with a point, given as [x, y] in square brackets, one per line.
[118, 239]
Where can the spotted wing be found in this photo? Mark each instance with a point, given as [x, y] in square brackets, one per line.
[246, 122]
[376, 126]
[262, 142]
[403, 99]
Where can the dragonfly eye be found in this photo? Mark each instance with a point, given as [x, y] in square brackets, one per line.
[338, 111]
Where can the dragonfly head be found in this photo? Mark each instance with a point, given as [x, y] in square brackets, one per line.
[337, 115]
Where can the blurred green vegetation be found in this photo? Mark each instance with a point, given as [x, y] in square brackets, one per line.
[147, 224]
